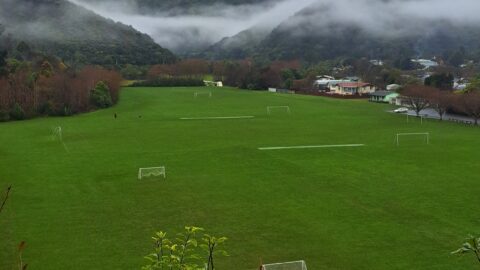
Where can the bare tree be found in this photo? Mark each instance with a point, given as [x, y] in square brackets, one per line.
[440, 101]
[469, 103]
[417, 96]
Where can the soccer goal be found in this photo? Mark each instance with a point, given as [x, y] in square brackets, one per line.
[151, 172]
[57, 133]
[426, 136]
[411, 118]
[298, 265]
[205, 94]
[271, 109]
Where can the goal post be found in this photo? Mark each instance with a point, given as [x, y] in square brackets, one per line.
[151, 172]
[197, 94]
[271, 109]
[296, 265]
[426, 135]
[422, 118]
[57, 133]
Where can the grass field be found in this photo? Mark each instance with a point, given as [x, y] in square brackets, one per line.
[378, 206]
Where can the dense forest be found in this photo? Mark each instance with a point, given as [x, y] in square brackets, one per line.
[76, 35]
[35, 84]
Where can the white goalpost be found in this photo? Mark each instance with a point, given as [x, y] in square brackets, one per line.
[271, 109]
[426, 135]
[297, 265]
[57, 133]
[422, 118]
[152, 171]
[197, 94]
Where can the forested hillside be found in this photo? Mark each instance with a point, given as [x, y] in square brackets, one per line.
[314, 35]
[76, 35]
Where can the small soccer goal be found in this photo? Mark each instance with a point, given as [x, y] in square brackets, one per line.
[425, 136]
[298, 265]
[411, 118]
[273, 109]
[202, 94]
[151, 172]
[57, 133]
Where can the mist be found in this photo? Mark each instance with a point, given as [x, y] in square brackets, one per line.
[186, 32]
[392, 18]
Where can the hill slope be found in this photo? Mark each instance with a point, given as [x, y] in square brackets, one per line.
[77, 35]
[316, 34]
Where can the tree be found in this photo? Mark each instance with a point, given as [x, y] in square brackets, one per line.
[474, 85]
[440, 101]
[471, 246]
[469, 103]
[417, 96]
[442, 81]
[101, 95]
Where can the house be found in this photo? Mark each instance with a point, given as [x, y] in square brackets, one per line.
[425, 63]
[352, 88]
[211, 83]
[393, 87]
[383, 96]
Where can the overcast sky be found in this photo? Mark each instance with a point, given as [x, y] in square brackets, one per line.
[385, 17]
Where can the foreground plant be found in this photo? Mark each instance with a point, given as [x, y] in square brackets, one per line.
[182, 253]
[471, 246]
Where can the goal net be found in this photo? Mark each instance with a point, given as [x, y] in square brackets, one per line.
[425, 136]
[206, 94]
[298, 265]
[151, 172]
[57, 133]
[272, 109]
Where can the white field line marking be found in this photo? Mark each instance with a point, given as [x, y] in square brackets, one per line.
[217, 118]
[310, 146]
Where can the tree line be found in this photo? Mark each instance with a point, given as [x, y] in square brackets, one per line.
[467, 102]
[30, 89]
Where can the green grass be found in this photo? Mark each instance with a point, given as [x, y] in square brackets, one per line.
[373, 207]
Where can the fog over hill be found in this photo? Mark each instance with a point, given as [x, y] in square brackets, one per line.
[189, 26]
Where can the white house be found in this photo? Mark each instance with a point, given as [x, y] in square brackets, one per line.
[352, 88]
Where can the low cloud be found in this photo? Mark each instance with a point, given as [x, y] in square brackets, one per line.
[183, 32]
[209, 25]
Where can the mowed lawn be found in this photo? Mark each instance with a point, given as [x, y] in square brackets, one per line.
[81, 206]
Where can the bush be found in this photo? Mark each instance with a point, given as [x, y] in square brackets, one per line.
[17, 113]
[170, 82]
[4, 116]
[100, 96]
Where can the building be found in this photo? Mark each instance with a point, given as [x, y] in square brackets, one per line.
[384, 96]
[352, 88]
[425, 63]
[393, 87]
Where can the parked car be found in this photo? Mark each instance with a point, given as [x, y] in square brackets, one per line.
[401, 110]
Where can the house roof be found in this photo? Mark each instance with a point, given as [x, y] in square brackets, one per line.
[353, 84]
[382, 93]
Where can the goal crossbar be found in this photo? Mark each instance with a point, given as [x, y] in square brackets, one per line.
[426, 134]
[152, 171]
[271, 108]
[197, 94]
[295, 265]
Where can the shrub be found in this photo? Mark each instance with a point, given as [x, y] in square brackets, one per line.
[17, 113]
[4, 116]
[100, 96]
